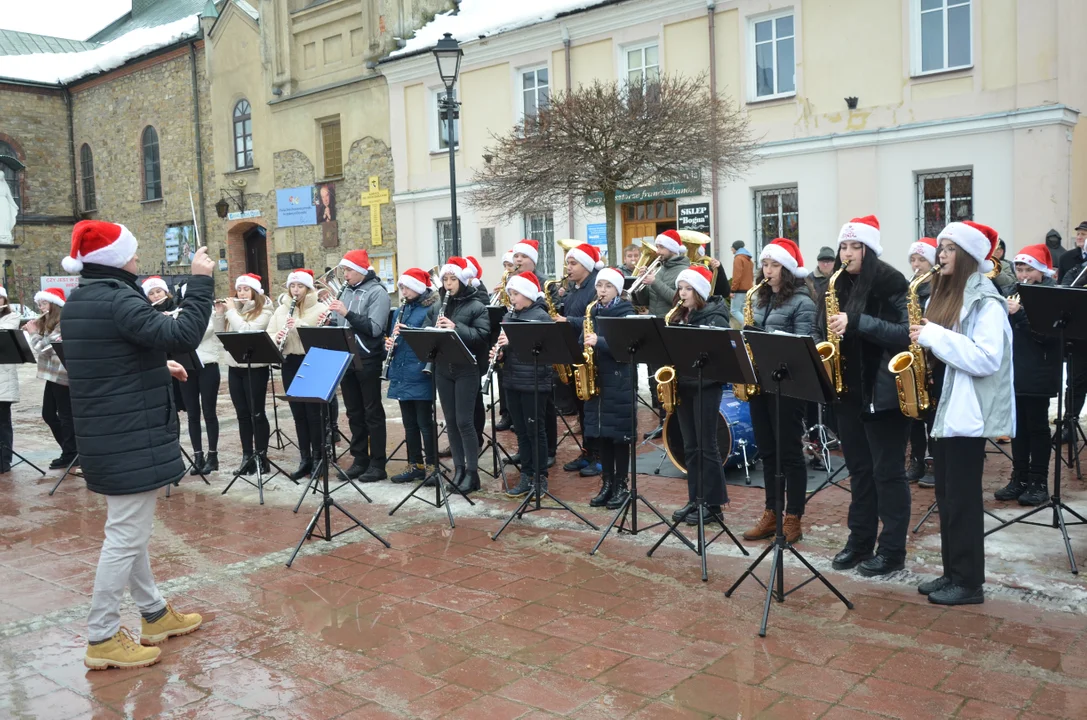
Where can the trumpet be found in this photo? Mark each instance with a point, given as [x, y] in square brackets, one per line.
[640, 280]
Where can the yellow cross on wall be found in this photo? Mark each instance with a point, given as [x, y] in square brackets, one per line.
[375, 197]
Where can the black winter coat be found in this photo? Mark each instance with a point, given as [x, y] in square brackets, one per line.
[610, 413]
[115, 347]
[1036, 358]
[713, 314]
[517, 374]
[577, 299]
[468, 311]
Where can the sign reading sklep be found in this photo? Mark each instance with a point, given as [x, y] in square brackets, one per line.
[694, 217]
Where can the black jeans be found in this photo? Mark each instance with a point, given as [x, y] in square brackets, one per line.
[418, 416]
[875, 452]
[307, 416]
[793, 465]
[614, 457]
[919, 430]
[1030, 446]
[57, 414]
[7, 436]
[958, 464]
[365, 414]
[201, 391]
[458, 398]
[700, 440]
[252, 422]
[479, 417]
[528, 413]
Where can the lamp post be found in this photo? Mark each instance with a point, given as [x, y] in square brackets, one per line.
[448, 54]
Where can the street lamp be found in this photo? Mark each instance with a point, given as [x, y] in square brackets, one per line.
[448, 54]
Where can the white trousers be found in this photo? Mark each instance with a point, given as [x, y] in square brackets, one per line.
[124, 562]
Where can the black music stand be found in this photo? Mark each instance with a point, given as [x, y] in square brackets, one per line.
[571, 340]
[495, 315]
[278, 439]
[190, 361]
[14, 350]
[316, 382]
[1060, 312]
[550, 343]
[719, 356]
[247, 348]
[791, 366]
[632, 340]
[432, 343]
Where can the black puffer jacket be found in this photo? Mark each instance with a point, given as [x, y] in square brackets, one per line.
[714, 314]
[796, 315]
[577, 299]
[609, 414]
[115, 347]
[1036, 358]
[469, 312]
[517, 374]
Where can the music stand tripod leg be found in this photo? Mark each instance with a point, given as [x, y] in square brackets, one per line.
[931, 509]
[67, 472]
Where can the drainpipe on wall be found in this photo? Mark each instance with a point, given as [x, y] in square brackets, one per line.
[569, 198]
[71, 154]
[199, 155]
[711, 7]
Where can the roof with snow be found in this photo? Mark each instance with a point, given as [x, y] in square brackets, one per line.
[13, 42]
[147, 14]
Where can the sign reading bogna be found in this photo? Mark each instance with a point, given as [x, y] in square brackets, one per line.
[694, 217]
[681, 187]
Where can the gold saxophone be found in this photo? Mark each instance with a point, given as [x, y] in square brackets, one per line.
[910, 367]
[501, 298]
[563, 372]
[830, 350]
[744, 392]
[666, 376]
[585, 373]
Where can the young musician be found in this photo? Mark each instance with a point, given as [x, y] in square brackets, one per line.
[922, 258]
[407, 383]
[156, 290]
[967, 332]
[462, 310]
[700, 309]
[631, 254]
[56, 401]
[1036, 361]
[250, 311]
[299, 308]
[9, 387]
[782, 305]
[364, 306]
[526, 254]
[608, 416]
[527, 387]
[873, 325]
[504, 422]
[201, 391]
[479, 417]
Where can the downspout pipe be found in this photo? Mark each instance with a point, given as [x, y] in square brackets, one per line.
[715, 214]
[71, 153]
[569, 75]
[199, 153]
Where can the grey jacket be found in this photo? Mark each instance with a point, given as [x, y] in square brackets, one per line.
[367, 313]
[796, 315]
[658, 296]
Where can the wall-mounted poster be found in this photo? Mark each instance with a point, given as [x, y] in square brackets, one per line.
[325, 202]
[295, 206]
[180, 244]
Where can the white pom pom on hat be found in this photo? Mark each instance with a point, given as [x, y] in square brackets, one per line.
[588, 255]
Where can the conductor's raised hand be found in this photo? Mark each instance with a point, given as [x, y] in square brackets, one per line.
[201, 263]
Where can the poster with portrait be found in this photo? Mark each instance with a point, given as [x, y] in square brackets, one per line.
[324, 199]
[180, 244]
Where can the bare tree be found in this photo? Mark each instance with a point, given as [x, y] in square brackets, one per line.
[598, 139]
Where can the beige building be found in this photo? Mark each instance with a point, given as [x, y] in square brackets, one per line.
[917, 111]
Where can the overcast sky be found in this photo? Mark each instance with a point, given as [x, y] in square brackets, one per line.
[74, 19]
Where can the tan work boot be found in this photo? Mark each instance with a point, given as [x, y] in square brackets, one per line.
[794, 532]
[764, 528]
[120, 651]
[169, 625]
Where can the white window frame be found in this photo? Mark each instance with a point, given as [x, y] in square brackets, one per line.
[546, 267]
[752, 62]
[946, 176]
[521, 72]
[435, 123]
[779, 191]
[625, 51]
[916, 47]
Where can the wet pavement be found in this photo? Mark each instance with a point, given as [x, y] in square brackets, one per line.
[450, 623]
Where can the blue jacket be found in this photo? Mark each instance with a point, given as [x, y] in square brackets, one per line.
[406, 378]
[609, 414]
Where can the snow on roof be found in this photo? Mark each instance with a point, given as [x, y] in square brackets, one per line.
[63, 68]
[476, 18]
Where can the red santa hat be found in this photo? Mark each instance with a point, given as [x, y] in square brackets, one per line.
[415, 279]
[103, 243]
[785, 252]
[863, 230]
[977, 240]
[357, 260]
[670, 240]
[249, 280]
[530, 248]
[1037, 257]
[508, 257]
[153, 282]
[698, 277]
[588, 255]
[926, 248]
[54, 295]
[458, 267]
[477, 270]
[612, 276]
[301, 275]
[526, 284]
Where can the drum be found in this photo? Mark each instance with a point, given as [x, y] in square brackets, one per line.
[735, 434]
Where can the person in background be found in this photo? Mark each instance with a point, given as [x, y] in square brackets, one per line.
[631, 253]
[9, 387]
[743, 277]
[1005, 279]
[56, 401]
[1069, 270]
[823, 270]
[1056, 249]
[201, 391]
[504, 422]
[922, 258]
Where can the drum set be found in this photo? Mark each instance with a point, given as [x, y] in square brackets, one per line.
[735, 437]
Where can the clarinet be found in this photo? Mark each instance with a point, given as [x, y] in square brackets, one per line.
[389, 356]
[428, 369]
[290, 314]
[490, 371]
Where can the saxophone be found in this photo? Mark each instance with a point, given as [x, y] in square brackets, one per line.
[830, 350]
[585, 374]
[563, 372]
[744, 392]
[910, 367]
[666, 376]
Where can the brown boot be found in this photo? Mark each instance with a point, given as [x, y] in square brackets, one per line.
[764, 528]
[793, 531]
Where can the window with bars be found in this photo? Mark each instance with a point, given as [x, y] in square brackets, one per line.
[86, 174]
[12, 176]
[942, 37]
[773, 60]
[331, 149]
[444, 227]
[541, 228]
[243, 135]
[777, 214]
[943, 198]
[152, 169]
[535, 89]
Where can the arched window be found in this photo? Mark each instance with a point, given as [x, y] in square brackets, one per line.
[86, 173]
[243, 135]
[152, 172]
[11, 175]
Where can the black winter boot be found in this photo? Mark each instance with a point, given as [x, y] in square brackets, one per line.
[197, 463]
[265, 466]
[305, 467]
[211, 464]
[607, 487]
[1037, 491]
[619, 493]
[1016, 487]
[248, 466]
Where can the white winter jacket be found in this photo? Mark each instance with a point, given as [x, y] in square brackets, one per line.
[234, 321]
[9, 374]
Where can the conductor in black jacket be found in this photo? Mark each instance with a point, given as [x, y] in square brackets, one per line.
[115, 346]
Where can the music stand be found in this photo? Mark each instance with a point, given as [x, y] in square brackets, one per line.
[432, 343]
[316, 382]
[717, 355]
[550, 343]
[634, 339]
[790, 366]
[190, 361]
[247, 348]
[278, 437]
[495, 315]
[1060, 312]
[15, 350]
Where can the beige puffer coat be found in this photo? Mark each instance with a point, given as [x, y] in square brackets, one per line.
[305, 315]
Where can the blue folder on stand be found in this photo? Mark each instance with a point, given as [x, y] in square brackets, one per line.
[320, 375]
